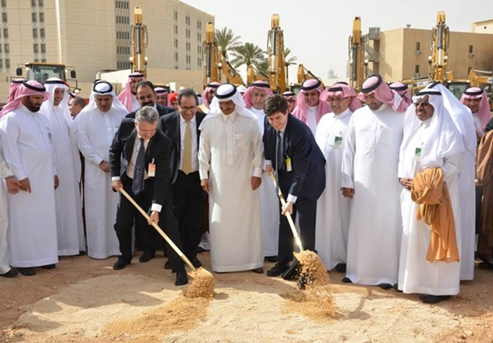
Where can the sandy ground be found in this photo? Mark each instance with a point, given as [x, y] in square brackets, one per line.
[84, 300]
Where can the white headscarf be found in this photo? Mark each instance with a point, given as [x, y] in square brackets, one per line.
[443, 138]
[101, 87]
[48, 106]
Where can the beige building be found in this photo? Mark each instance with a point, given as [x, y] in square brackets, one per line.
[403, 53]
[485, 26]
[95, 35]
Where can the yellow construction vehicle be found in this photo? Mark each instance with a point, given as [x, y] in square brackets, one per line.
[275, 49]
[139, 43]
[42, 71]
[214, 64]
[356, 62]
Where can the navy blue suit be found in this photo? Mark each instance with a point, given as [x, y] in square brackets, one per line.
[306, 180]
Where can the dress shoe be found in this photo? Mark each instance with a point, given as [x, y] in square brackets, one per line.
[258, 270]
[27, 271]
[49, 266]
[346, 280]
[10, 273]
[272, 259]
[181, 278]
[385, 286]
[167, 265]
[120, 264]
[277, 270]
[147, 256]
[341, 268]
[195, 262]
[199, 250]
[486, 265]
[433, 299]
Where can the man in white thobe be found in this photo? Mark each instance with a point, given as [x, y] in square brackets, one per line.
[309, 107]
[369, 168]
[70, 228]
[28, 149]
[254, 99]
[96, 126]
[230, 167]
[431, 140]
[332, 207]
[464, 122]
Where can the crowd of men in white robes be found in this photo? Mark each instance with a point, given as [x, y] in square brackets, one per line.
[366, 221]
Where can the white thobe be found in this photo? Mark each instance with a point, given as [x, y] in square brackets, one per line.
[67, 195]
[311, 118]
[332, 207]
[4, 246]
[416, 274]
[269, 203]
[95, 132]
[29, 152]
[231, 152]
[369, 166]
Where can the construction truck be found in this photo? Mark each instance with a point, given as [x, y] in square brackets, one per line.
[215, 64]
[356, 62]
[302, 75]
[140, 38]
[277, 63]
[42, 71]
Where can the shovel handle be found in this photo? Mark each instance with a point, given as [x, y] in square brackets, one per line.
[158, 229]
[288, 215]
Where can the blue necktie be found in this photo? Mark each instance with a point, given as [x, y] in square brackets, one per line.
[139, 169]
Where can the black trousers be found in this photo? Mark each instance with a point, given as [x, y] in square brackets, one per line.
[188, 203]
[127, 213]
[306, 209]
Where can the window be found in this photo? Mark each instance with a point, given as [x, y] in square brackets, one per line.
[199, 62]
[7, 48]
[187, 20]
[42, 32]
[470, 49]
[188, 33]
[43, 48]
[1, 63]
[418, 46]
[43, 60]
[7, 63]
[416, 69]
[34, 18]
[41, 3]
[4, 17]
[1, 48]
[35, 33]
[176, 43]
[199, 24]
[33, 3]
[175, 15]
[4, 3]
[176, 56]
[176, 29]
[35, 48]
[41, 17]
[5, 33]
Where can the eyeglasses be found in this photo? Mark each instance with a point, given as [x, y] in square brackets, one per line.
[191, 108]
[424, 104]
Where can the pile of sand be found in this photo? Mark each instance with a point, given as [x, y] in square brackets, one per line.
[202, 285]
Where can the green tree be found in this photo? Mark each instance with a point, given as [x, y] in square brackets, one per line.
[291, 60]
[227, 41]
[248, 54]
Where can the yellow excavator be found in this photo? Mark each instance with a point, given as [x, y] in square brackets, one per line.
[214, 64]
[139, 43]
[356, 62]
[277, 62]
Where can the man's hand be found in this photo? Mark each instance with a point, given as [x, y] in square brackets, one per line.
[406, 183]
[269, 169]
[13, 186]
[256, 182]
[104, 166]
[287, 208]
[57, 181]
[205, 186]
[154, 218]
[347, 192]
[25, 185]
[116, 185]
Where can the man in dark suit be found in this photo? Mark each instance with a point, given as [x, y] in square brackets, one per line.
[147, 180]
[291, 151]
[182, 127]
[146, 96]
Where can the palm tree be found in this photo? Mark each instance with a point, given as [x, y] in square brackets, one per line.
[227, 41]
[248, 54]
[291, 60]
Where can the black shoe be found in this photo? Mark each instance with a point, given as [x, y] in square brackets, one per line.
[346, 280]
[27, 271]
[195, 262]
[147, 256]
[272, 259]
[199, 250]
[49, 266]
[10, 273]
[385, 286]
[181, 278]
[258, 270]
[82, 253]
[167, 265]
[433, 299]
[277, 270]
[486, 265]
[120, 264]
[341, 268]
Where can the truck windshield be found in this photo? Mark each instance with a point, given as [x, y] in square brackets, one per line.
[41, 73]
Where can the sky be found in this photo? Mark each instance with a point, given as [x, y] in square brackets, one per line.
[317, 32]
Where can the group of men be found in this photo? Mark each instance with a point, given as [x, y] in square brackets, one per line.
[352, 175]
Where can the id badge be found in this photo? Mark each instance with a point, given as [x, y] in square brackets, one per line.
[337, 142]
[152, 169]
[288, 164]
[417, 154]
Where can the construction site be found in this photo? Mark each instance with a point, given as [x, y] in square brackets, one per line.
[84, 300]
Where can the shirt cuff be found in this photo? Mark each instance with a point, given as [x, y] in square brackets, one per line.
[347, 184]
[98, 161]
[156, 207]
[115, 178]
[257, 172]
[204, 174]
[292, 198]
[267, 163]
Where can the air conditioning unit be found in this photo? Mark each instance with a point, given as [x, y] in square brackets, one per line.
[418, 52]
[470, 55]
